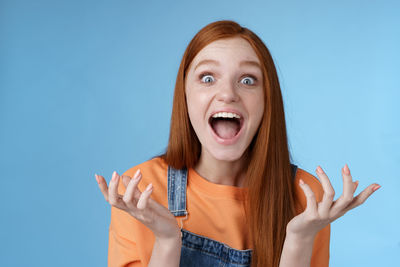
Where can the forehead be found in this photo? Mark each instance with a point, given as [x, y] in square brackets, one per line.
[231, 49]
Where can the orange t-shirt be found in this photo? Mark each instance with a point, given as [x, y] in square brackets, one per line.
[214, 211]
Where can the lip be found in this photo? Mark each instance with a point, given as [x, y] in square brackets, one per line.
[226, 141]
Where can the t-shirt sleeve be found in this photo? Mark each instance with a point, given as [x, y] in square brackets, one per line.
[122, 252]
[320, 254]
[122, 249]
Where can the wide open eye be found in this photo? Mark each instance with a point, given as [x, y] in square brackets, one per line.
[248, 80]
[207, 78]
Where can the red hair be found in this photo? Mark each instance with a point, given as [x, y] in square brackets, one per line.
[270, 200]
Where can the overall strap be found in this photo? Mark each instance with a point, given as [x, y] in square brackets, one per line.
[177, 181]
[294, 169]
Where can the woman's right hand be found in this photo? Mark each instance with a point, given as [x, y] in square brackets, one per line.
[139, 204]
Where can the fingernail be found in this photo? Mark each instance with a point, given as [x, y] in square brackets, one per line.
[114, 176]
[319, 169]
[301, 182]
[149, 187]
[346, 169]
[97, 178]
[137, 174]
[376, 187]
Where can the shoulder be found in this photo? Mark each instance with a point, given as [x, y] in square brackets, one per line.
[312, 182]
[153, 166]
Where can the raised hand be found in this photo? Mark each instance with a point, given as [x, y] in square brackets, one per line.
[318, 215]
[140, 205]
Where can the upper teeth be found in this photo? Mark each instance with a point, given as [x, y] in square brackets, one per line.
[226, 115]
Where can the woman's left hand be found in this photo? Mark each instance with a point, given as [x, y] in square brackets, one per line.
[318, 215]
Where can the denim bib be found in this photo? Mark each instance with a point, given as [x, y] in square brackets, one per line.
[197, 250]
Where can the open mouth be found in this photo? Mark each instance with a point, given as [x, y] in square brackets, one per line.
[226, 125]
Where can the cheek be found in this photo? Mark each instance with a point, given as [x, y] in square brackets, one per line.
[257, 107]
[195, 106]
[261, 107]
[197, 98]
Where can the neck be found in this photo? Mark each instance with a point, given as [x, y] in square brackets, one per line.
[221, 171]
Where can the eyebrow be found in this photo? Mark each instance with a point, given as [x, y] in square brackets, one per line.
[250, 63]
[214, 62]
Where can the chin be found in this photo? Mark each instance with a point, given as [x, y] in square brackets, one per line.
[227, 155]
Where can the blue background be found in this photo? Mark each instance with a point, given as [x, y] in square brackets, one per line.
[86, 87]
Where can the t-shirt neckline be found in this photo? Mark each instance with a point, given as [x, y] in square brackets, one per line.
[215, 190]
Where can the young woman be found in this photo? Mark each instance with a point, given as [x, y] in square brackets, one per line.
[225, 192]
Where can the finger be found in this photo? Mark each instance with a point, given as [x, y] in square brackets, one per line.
[114, 198]
[311, 203]
[348, 192]
[144, 197]
[102, 185]
[355, 186]
[132, 192]
[348, 184]
[125, 180]
[329, 193]
[363, 196]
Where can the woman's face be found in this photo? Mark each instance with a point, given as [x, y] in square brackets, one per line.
[225, 97]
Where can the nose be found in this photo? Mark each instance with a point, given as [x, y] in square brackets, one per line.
[227, 93]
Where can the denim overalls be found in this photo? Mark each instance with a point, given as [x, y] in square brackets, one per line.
[199, 250]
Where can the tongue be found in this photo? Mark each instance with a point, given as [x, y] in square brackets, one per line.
[226, 129]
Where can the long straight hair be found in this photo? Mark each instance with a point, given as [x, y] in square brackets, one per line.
[270, 200]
